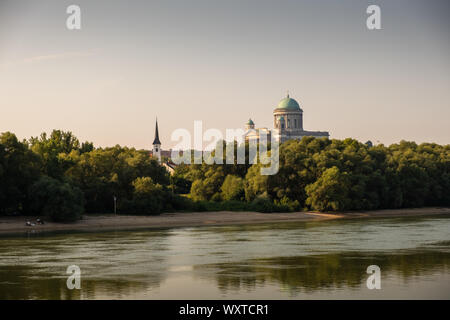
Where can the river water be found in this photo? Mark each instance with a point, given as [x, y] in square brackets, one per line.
[301, 260]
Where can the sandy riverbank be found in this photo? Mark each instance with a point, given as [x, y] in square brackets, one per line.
[10, 225]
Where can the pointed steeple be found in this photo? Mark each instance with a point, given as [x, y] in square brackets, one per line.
[156, 141]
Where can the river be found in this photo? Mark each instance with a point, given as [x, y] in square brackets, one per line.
[295, 260]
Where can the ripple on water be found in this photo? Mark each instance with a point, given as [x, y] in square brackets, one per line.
[306, 260]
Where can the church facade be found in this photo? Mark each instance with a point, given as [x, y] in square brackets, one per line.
[287, 122]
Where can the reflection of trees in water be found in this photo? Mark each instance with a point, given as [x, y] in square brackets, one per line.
[322, 272]
[19, 283]
[118, 265]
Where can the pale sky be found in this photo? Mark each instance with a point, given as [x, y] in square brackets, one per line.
[223, 62]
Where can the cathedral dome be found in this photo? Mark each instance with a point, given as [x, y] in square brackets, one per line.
[288, 104]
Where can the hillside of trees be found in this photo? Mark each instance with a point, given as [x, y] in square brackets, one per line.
[58, 177]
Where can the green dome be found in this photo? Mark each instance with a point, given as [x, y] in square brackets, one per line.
[250, 122]
[289, 104]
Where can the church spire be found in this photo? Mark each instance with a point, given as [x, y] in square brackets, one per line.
[157, 144]
[156, 141]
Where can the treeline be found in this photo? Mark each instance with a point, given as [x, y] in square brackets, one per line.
[330, 175]
[58, 177]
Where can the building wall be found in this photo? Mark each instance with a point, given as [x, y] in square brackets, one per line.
[284, 135]
[293, 120]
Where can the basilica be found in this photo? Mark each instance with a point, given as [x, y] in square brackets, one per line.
[287, 122]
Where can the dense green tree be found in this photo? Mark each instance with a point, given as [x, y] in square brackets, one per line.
[50, 148]
[329, 192]
[59, 201]
[180, 185]
[255, 184]
[232, 188]
[209, 186]
[151, 198]
[148, 197]
[105, 173]
[318, 174]
[19, 169]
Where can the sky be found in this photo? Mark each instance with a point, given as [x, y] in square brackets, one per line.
[224, 62]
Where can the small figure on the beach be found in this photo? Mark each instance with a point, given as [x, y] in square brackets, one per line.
[39, 221]
[28, 224]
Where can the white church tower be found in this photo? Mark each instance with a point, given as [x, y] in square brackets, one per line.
[157, 144]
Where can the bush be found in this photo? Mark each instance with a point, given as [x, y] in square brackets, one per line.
[235, 205]
[148, 198]
[59, 201]
[140, 206]
[181, 203]
[265, 204]
[286, 203]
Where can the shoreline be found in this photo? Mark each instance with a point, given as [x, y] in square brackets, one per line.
[111, 222]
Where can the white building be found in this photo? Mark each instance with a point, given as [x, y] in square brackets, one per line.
[288, 124]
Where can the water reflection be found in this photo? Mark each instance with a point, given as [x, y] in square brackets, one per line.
[112, 265]
[309, 274]
[21, 283]
[270, 261]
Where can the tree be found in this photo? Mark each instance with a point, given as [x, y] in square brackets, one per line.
[148, 198]
[105, 173]
[205, 189]
[233, 188]
[50, 149]
[19, 169]
[255, 184]
[321, 173]
[144, 186]
[329, 192]
[59, 201]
